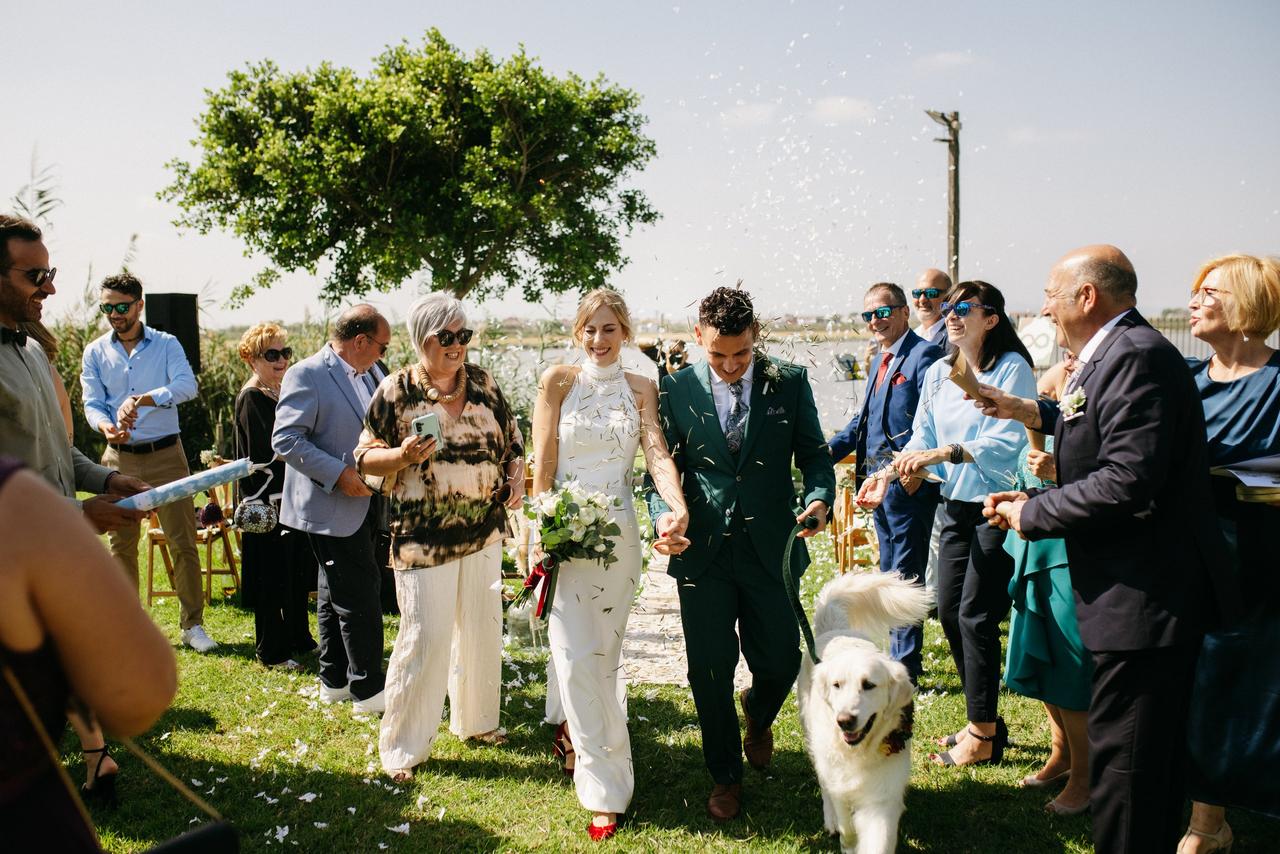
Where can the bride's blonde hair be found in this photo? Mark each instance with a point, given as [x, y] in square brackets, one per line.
[596, 300]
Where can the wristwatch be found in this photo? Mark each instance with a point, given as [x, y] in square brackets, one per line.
[957, 453]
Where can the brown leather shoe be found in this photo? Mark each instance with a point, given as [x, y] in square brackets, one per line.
[757, 743]
[725, 802]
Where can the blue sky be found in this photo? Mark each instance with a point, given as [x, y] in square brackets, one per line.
[793, 149]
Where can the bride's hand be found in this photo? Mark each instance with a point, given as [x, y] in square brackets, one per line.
[671, 539]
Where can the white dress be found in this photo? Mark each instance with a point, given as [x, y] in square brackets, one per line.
[599, 433]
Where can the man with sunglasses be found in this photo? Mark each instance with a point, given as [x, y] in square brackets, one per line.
[927, 296]
[904, 518]
[133, 379]
[31, 426]
[323, 402]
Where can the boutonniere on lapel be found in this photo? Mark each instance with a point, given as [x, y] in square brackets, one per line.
[769, 369]
[1072, 405]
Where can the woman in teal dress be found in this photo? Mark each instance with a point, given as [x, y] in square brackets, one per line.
[1234, 726]
[1046, 659]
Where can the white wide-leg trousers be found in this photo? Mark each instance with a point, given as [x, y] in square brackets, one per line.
[588, 621]
[450, 640]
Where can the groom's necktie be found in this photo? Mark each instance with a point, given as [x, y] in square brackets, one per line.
[736, 425]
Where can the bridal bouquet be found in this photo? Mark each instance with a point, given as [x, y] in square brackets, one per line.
[572, 523]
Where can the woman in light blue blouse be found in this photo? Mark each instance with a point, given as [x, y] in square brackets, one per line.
[974, 455]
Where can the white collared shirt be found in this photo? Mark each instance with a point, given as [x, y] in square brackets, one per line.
[927, 334]
[358, 384]
[723, 397]
[1087, 351]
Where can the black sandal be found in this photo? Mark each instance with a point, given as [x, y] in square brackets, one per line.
[998, 742]
[563, 747]
[103, 787]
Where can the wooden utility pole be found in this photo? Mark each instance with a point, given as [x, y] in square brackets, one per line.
[951, 121]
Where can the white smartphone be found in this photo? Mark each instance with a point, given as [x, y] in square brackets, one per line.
[427, 425]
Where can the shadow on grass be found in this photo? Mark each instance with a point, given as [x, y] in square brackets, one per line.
[277, 806]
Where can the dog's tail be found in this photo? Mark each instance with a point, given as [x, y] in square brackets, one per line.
[870, 603]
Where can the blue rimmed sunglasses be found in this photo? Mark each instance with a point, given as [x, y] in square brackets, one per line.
[962, 309]
[882, 312]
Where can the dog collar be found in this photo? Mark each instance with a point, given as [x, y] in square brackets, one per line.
[896, 741]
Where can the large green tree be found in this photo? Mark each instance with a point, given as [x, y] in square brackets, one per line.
[486, 173]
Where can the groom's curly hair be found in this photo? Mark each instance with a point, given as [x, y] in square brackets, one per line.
[727, 310]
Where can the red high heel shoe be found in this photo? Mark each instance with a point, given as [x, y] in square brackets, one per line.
[599, 833]
[563, 747]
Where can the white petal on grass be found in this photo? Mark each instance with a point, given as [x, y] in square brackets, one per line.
[400, 828]
[308, 797]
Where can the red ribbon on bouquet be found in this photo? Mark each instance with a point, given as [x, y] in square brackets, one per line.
[543, 571]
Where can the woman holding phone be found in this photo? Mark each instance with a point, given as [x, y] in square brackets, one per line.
[449, 494]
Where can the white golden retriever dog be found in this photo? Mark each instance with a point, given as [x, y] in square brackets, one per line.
[856, 705]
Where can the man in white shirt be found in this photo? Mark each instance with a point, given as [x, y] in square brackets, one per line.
[927, 296]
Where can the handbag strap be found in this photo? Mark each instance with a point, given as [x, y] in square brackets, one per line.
[267, 482]
[164, 774]
[159, 770]
[25, 702]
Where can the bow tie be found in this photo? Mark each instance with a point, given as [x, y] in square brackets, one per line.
[15, 337]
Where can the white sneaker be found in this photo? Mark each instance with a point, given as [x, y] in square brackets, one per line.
[333, 695]
[375, 705]
[196, 638]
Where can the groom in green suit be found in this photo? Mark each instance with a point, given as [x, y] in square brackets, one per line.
[734, 423]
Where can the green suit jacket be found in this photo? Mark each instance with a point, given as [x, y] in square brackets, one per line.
[782, 423]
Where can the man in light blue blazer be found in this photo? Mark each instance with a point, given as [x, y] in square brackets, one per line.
[323, 401]
[905, 516]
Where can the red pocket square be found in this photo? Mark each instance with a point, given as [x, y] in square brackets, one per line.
[899, 379]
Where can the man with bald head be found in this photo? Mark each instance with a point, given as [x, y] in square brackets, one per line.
[931, 289]
[323, 401]
[1134, 507]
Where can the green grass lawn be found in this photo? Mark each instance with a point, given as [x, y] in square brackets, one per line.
[290, 772]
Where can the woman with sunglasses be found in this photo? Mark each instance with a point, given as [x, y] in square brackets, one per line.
[279, 567]
[450, 481]
[974, 455]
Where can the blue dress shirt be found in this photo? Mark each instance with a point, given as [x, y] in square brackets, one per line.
[944, 417]
[157, 367]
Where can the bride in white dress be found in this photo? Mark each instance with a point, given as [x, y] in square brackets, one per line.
[588, 421]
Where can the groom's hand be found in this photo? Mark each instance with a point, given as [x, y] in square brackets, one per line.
[818, 510]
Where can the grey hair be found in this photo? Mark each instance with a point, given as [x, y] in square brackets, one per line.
[431, 314]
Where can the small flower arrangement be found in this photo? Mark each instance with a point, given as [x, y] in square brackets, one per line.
[1073, 404]
[573, 523]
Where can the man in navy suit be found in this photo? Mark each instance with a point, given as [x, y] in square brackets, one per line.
[323, 402]
[927, 296]
[1134, 505]
[905, 516]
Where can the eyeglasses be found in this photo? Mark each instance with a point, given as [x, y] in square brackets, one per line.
[446, 337]
[273, 355]
[37, 275]
[927, 293]
[1208, 296]
[118, 307]
[962, 309]
[882, 312]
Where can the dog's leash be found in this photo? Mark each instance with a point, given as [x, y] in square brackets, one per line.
[793, 594]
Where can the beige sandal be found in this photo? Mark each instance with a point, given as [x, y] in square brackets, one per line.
[1220, 840]
[400, 775]
[492, 737]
